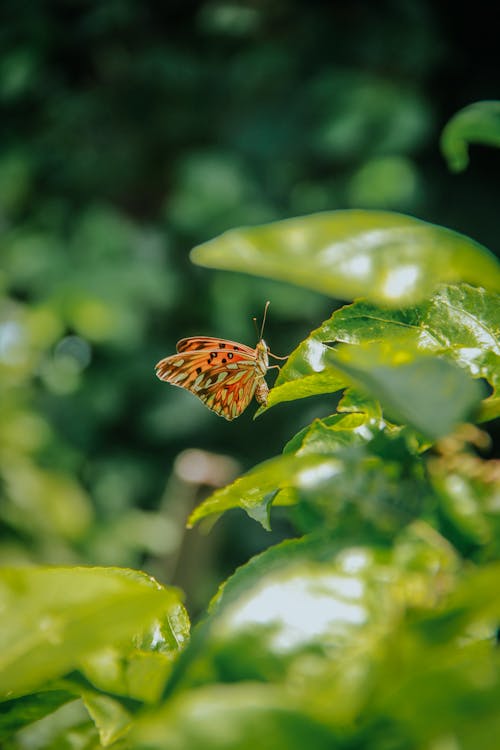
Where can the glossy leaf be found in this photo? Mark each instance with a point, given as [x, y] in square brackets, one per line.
[358, 632]
[430, 394]
[477, 123]
[303, 608]
[20, 712]
[459, 322]
[55, 617]
[343, 428]
[254, 491]
[353, 475]
[388, 258]
[110, 717]
[140, 672]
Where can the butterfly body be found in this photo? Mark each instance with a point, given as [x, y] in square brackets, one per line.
[225, 375]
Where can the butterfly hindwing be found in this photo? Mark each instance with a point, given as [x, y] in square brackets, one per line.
[229, 393]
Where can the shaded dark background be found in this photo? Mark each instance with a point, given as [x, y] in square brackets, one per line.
[130, 131]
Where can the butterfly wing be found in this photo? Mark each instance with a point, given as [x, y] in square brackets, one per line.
[229, 393]
[198, 343]
[221, 373]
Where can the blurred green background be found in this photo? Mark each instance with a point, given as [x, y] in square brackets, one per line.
[130, 131]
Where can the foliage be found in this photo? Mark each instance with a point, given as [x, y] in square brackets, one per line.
[374, 623]
[382, 611]
[477, 123]
[389, 259]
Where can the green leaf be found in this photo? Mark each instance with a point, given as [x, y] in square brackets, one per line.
[134, 674]
[326, 381]
[243, 716]
[112, 720]
[141, 670]
[53, 618]
[253, 491]
[317, 610]
[464, 502]
[343, 428]
[389, 258]
[459, 322]
[20, 712]
[430, 394]
[477, 123]
[344, 475]
[364, 641]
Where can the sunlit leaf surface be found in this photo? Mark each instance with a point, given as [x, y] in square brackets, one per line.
[461, 323]
[358, 631]
[428, 393]
[254, 491]
[110, 717]
[340, 467]
[388, 258]
[59, 616]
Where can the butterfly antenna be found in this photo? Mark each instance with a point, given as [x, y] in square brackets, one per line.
[255, 324]
[264, 319]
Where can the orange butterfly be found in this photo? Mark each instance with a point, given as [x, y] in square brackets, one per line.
[225, 375]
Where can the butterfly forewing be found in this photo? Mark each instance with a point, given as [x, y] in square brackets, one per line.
[198, 343]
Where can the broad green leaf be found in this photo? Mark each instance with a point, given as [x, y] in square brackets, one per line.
[388, 258]
[243, 716]
[345, 428]
[316, 610]
[254, 491]
[304, 374]
[140, 672]
[20, 712]
[459, 322]
[430, 394]
[68, 728]
[327, 381]
[477, 123]
[359, 641]
[343, 476]
[53, 618]
[135, 674]
[354, 401]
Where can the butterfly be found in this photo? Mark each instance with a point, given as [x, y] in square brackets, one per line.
[225, 375]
